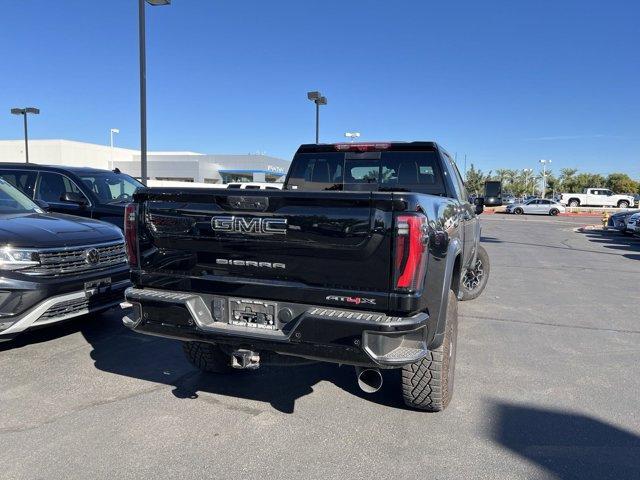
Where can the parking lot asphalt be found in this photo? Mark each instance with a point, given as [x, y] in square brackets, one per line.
[547, 386]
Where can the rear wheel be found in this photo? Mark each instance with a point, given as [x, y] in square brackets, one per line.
[553, 212]
[428, 383]
[207, 357]
[518, 211]
[475, 279]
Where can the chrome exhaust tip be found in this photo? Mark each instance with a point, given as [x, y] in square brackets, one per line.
[369, 379]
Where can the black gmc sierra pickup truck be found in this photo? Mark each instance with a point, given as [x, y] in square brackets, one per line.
[360, 259]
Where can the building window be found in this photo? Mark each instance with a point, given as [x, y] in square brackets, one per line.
[237, 177]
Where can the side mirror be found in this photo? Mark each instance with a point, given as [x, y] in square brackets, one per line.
[43, 205]
[73, 197]
[479, 203]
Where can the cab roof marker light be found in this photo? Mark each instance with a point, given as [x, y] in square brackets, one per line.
[361, 147]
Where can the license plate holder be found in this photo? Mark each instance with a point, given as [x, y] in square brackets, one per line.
[97, 287]
[252, 313]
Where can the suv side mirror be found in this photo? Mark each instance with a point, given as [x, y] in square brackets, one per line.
[479, 203]
[73, 197]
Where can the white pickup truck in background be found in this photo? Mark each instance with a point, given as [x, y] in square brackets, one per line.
[596, 197]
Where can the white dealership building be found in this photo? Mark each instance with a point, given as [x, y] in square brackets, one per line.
[177, 166]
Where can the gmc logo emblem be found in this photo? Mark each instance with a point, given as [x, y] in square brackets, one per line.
[250, 225]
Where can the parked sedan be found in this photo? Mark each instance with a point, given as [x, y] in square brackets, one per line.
[539, 206]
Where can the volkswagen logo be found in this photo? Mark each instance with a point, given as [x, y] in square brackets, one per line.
[92, 256]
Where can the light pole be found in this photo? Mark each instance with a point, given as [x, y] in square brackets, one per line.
[111, 133]
[352, 135]
[143, 83]
[544, 176]
[24, 112]
[318, 99]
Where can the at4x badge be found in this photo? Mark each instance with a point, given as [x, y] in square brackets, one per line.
[354, 300]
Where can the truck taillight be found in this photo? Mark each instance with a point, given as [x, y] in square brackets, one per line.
[411, 252]
[131, 233]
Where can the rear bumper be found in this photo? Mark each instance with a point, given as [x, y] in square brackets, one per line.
[328, 334]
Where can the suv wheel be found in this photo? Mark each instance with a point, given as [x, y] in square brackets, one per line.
[475, 279]
[428, 383]
[623, 204]
[207, 357]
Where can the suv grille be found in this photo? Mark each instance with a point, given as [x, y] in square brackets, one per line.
[77, 260]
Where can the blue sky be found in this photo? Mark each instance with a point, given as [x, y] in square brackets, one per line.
[504, 82]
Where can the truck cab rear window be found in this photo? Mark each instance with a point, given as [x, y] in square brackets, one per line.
[373, 171]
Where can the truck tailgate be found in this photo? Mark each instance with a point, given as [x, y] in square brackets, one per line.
[315, 247]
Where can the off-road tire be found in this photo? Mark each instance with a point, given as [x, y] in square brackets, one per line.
[428, 383]
[553, 212]
[623, 204]
[472, 288]
[207, 357]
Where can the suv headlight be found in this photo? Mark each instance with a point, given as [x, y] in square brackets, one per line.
[17, 258]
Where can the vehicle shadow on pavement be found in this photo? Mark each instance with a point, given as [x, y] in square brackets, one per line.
[485, 239]
[569, 445]
[43, 335]
[120, 351]
[616, 241]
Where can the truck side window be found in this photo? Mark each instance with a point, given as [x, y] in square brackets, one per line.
[458, 183]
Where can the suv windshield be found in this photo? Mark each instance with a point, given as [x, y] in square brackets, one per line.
[367, 171]
[111, 187]
[12, 201]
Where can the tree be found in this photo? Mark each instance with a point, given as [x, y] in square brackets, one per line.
[474, 181]
[589, 180]
[553, 184]
[567, 180]
[501, 173]
[521, 182]
[621, 183]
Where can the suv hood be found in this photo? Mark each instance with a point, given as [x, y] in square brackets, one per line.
[46, 230]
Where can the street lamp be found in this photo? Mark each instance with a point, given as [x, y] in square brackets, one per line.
[544, 176]
[352, 135]
[318, 99]
[143, 83]
[111, 133]
[24, 112]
